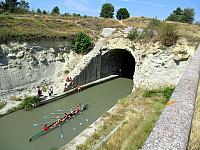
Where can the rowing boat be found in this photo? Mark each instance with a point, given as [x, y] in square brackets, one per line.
[51, 126]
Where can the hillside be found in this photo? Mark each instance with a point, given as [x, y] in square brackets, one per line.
[37, 27]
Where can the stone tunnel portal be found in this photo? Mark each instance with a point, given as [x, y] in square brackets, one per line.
[118, 61]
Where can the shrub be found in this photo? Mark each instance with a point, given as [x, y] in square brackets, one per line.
[154, 24]
[150, 93]
[82, 43]
[2, 104]
[29, 102]
[135, 34]
[167, 92]
[167, 34]
[66, 71]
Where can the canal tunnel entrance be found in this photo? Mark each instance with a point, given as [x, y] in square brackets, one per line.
[118, 61]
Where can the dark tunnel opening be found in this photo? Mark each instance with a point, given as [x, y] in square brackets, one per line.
[118, 61]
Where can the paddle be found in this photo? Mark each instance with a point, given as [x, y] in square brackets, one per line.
[61, 135]
[71, 125]
[36, 124]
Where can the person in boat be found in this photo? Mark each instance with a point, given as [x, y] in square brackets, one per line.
[57, 122]
[46, 128]
[77, 110]
[65, 117]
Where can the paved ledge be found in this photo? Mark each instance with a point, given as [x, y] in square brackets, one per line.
[172, 130]
[83, 87]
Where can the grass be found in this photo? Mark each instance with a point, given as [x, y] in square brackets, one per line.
[194, 141]
[24, 27]
[141, 113]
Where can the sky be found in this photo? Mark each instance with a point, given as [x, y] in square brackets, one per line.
[148, 8]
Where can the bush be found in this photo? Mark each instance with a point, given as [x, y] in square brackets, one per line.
[168, 34]
[82, 43]
[135, 34]
[107, 10]
[167, 92]
[66, 71]
[122, 13]
[154, 24]
[29, 102]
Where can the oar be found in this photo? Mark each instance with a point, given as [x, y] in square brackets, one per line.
[61, 135]
[45, 117]
[71, 125]
[36, 124]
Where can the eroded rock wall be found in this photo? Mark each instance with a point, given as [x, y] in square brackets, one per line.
[23, 66]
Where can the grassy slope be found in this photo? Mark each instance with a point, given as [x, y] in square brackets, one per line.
[25, 27]
[141, 110]
[28, 26]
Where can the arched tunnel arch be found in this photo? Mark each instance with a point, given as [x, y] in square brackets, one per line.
[117, 61]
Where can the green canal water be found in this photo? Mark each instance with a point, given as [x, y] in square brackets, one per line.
[16, 128]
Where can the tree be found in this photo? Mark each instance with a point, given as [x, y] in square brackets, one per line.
[185, 16]
[9, 5]
[44, 12]
[107, 10]
[188, 15]
[38, 11]
[55, 10]
[24, 6]
[122, 13]
[82, 43]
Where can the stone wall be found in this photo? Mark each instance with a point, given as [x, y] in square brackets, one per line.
[23, 66]
[172, 130]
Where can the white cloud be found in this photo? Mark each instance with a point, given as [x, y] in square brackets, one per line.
[144, 3]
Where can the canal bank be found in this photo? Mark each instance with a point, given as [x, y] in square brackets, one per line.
[100, 99]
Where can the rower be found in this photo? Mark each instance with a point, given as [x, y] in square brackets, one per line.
[45, 128]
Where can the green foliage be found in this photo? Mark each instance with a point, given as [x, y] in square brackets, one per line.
[44, 12]
[135, 34]
[168, 34]
[39, 11]
[107, 10]
[23, 6]
[13, 6]
[82, 43]
[185, 16]
[66, 71]
[29, 102]
[122, 13]
[154, 24]
[2, 104]
[166, 92]
[55, 10]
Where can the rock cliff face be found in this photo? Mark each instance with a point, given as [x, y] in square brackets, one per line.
[155, 64]
[23, 66]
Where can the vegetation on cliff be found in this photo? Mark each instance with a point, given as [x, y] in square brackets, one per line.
[82, 43]
[29, 102]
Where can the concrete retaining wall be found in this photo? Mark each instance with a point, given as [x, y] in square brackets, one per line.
[172, 130]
